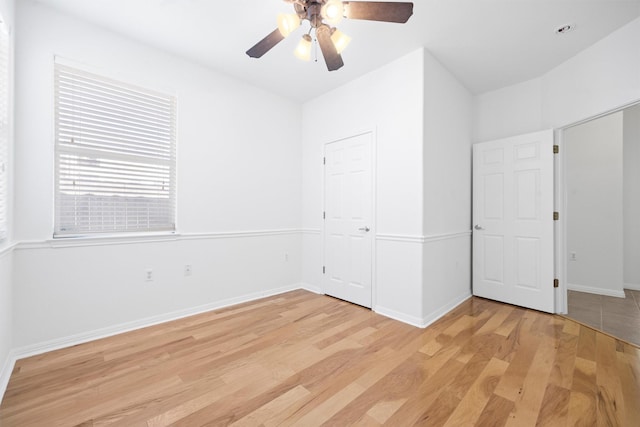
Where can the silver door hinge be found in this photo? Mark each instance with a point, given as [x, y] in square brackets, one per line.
[556, 216]
[556, 149]
[324, 160]
[324, 270]
[556, 283]
[324, 215]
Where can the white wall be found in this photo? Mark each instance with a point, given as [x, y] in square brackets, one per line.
[6, 253]
[66, 295]
[421, 117]
[447, 160]
[226, 130]
[389, 102]
[513, 110]
[601, 78]
[631, 155]
[594, 205]
[239, 194]
[446, 152]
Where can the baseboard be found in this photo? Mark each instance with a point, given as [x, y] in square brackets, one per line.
[597, 291]
[311, 288]
[59, 343]
[427, 320]
[401, 317]
[445, 309]
[632, 286]
[5, 373]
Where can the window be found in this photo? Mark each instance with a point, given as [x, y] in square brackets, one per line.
[4, 131]
[115, 156]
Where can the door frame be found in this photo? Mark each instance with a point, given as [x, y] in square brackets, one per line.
[374, 227]
[561, 204]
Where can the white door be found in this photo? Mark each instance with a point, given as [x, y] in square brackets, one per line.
[513, 220]
[348, 219]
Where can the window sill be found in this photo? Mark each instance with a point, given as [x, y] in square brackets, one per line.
[111, 239]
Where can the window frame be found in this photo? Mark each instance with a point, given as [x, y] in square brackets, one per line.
[93, 157]
[5, 129]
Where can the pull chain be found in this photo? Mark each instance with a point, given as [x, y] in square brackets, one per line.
[315, 48]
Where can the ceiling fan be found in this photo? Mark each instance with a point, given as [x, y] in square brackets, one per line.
[323, 15]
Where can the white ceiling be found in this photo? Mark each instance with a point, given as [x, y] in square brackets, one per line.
[487, 44]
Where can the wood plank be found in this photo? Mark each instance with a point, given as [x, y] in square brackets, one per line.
[496, 412]
[611, 402]
[270, 410]
[382, 411]
[528, 403]
[510, 385]
[565, 361]
[571, 328]
[555, 407]
[476, 398]
[587, 343]
[583, 401]
[629, 374]
[325, 410]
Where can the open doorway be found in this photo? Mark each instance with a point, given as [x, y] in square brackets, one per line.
[602, 222]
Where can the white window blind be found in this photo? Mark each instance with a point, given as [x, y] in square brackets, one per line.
[115, 156]
[4, 131]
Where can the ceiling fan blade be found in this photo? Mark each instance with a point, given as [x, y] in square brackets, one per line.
[385, 11]
[331, 55]
[264, 45]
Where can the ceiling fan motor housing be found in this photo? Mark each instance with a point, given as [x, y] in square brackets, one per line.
[310, 10]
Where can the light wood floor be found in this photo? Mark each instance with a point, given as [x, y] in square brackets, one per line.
[304, 359]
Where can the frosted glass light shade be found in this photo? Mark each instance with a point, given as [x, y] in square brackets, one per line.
[332, 12]
[303, 50]
[340, 40]
[288, 23]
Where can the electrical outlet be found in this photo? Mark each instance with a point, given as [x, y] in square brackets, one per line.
[187, 270]
[573, 256]
[148, 275]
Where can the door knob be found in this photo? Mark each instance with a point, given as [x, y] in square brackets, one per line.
[477, 227]
[365, 229]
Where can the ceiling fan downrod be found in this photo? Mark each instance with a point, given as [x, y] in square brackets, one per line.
[309, 10]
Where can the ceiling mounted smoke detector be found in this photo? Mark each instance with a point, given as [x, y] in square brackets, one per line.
[564, 29]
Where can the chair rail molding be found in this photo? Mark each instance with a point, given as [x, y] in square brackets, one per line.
[408, 238]
[71, 242]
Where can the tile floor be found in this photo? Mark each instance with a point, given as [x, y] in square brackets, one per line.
[619, 317]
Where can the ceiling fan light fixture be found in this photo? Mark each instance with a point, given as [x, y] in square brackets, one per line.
[333, 11]
[323, 17]
[303, 50]
[340, 40]
[288, 23]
